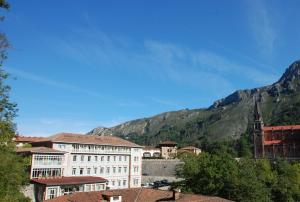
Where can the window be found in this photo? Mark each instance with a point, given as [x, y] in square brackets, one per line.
[96, 158]
[119, 169]
[102, 158]
[99, 186]
[88, 187]
[114, 169]
[82, 158]
[74, 171]
[136, 169]
[102, 170]
[124, 182]
[81, 171]
[119, 183]
[108, 158]
[95, 171]
[107, 169]
[120, 158]
[47, 159]
[125, 169]
[61, 146]
[75, 147]
[46, 172]
[125, 158]
[89, 158]
[52, 193]
[113, 183]
[136, 181]
[89, 171]
[136, 158]
[115, 158]
[74, 158]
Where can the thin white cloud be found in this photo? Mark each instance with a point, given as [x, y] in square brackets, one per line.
[53, 83]
[202, 69]
[262, 25]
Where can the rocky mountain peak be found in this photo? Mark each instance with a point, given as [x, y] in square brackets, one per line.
[291, 73]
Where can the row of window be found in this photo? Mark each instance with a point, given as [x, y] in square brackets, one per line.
[118, 183]
[93, 148]
[99, 158]
[47, 160]
[46, 172]
[100, 170]
[65, 190]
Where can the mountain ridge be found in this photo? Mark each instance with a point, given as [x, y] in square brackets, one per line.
[228, 117]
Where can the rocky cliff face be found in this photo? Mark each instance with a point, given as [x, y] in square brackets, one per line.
[227, 117]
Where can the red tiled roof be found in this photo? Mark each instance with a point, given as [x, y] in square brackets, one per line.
[168, 143]
[33, 150]
[134, 194]
[189, 148]
[290, 127]
[90, 139]
[28, 139]
[271, 142]
[69, 180]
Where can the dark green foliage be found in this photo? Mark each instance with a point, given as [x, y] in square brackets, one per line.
[288, 116]
[240, 180]
[13, 174]
[244, 146]
[288, 186]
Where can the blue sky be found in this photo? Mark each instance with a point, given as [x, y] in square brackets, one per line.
[83, 64]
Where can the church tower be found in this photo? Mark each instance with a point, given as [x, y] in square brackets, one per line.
[258, 134]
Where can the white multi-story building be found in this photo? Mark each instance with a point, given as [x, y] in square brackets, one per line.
[87, 157]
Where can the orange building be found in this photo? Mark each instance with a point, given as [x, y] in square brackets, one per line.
[275, 141]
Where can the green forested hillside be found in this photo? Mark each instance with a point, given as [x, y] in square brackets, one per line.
[227, 118]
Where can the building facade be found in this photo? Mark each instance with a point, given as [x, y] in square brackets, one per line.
[168, 149]
[165, 150]
[71, 156]
[275, 141]
[151, 152]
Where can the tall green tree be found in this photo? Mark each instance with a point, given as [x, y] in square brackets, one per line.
[12, 167]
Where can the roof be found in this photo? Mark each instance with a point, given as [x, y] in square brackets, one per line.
[271, 142]
[189, 148]
[151, 148]
[28, 139]
[134, 194]
[290, 127]
[90, 139]
[33, 150]
[69, 180]
[168, 143]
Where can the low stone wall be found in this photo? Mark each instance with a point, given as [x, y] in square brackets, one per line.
[159, 169]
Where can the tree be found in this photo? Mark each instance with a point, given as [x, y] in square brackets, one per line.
[287, 187]
[12, 166]
[209, 174]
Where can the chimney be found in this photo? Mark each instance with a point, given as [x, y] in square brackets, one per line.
[176, 194]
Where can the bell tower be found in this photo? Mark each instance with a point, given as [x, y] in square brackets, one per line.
[258, 133]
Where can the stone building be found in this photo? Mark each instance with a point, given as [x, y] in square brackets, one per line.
[275, 141]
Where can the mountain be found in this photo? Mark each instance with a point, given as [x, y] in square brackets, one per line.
[225, 118]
